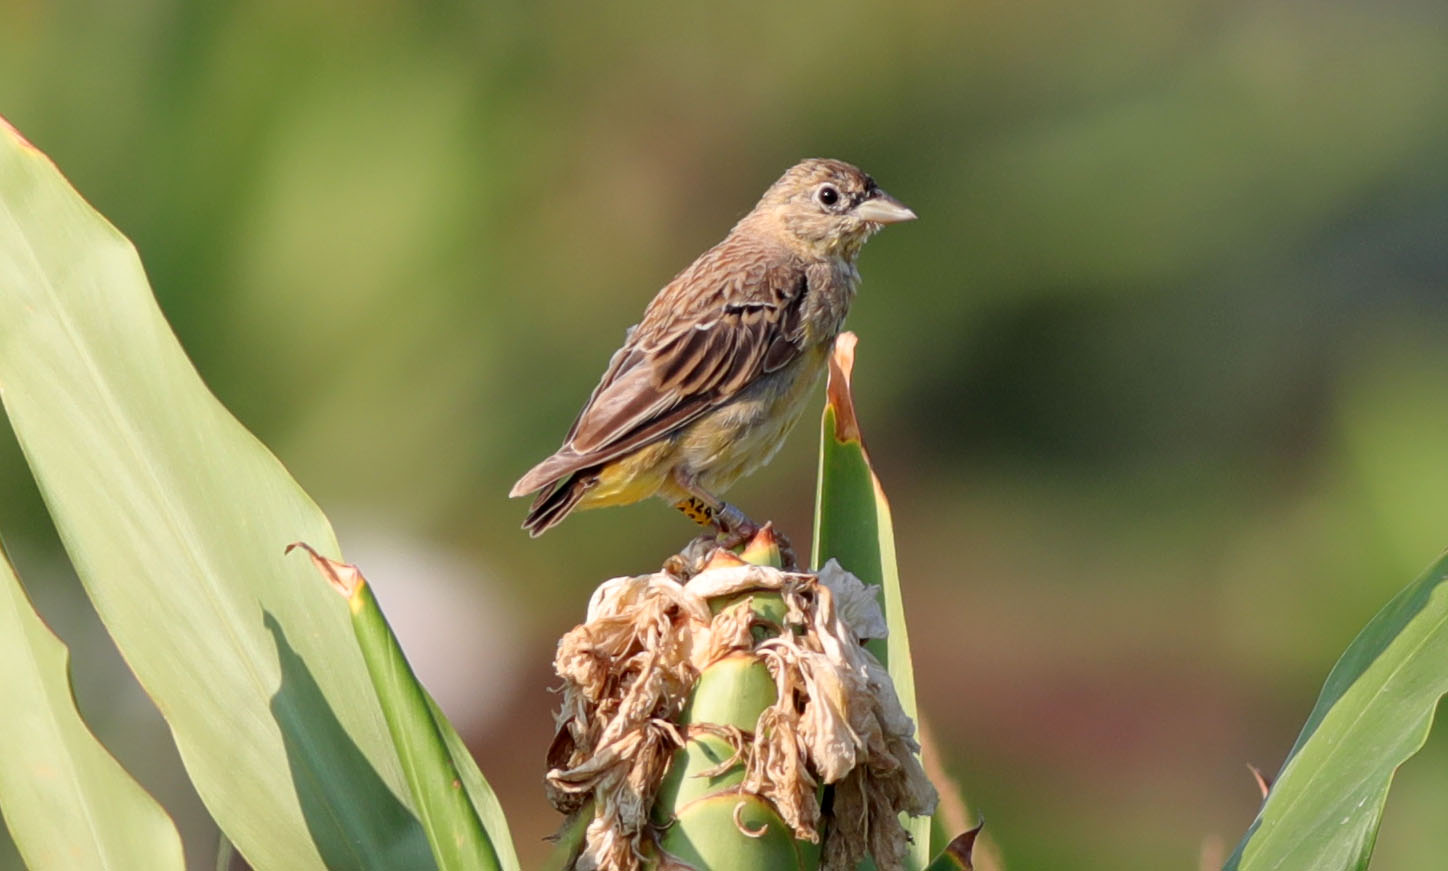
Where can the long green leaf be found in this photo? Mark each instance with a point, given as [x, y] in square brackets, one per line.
[485, 802]
[1375, 711]
[67, 802]
[852, 525]
[464, 823]
[175, 518]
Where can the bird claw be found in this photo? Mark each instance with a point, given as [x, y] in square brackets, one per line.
[731, 537]
[787, 559]
[689, 561]
[696, 554]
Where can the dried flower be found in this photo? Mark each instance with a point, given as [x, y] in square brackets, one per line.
[630, 708]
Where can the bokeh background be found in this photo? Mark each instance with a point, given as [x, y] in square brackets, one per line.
[1158, 382]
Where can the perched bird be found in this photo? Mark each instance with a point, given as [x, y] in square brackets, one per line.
[708, 384]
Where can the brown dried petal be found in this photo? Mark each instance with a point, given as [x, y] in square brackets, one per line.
[777, 772]
[735, 579]
[730, 632]
[847, 839]
[858, 603]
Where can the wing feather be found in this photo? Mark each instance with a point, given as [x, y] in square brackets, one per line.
[729, 318]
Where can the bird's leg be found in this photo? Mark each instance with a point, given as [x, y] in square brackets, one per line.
[735, 528]
[706, 509]
[696, 510]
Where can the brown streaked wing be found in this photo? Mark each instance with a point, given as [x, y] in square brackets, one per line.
[693, 351]
[625, 357]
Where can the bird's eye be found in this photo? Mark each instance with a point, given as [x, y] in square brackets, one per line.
[828, 195]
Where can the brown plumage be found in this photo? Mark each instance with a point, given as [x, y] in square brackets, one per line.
[708, 384]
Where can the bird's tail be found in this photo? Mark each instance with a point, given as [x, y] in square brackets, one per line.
[554, 503]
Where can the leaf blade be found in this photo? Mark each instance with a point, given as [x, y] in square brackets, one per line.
[1374, 713]
[450, 793]
[67, 802]
[175, 518]
[853, 525]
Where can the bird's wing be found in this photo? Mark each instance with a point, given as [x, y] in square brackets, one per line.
[731, 317]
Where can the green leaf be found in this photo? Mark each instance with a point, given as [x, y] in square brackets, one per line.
[568, 843]
[735, 689]
[696, 800]
[175, 518]
[450, 794]
[67, 802]
[956, 856]
[1375, 711]
[852, 525]
[711, 834]
[485, 802]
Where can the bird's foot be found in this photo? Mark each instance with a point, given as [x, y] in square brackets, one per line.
[746, 533]
[732, 535]
[692, 559]
[735, 530]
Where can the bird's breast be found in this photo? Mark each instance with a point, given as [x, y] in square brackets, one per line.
[832, 285]
[745, 433]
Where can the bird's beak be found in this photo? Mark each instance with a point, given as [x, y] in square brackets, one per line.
[883, 209]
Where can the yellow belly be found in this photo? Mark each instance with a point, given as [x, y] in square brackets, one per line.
[632, 477]
[722, 446]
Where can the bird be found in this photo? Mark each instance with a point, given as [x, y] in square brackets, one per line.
[710, 381]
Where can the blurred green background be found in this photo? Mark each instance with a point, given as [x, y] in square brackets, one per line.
[1158, 382]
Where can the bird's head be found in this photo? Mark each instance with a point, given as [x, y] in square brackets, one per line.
[827, 208]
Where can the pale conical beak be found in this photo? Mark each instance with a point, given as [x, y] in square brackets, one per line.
[883, 209]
